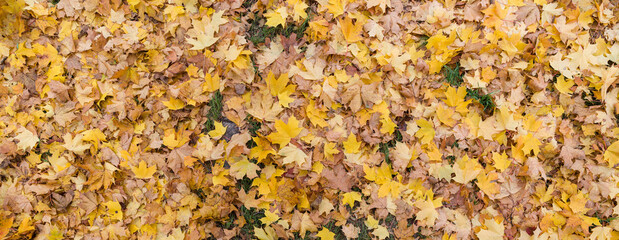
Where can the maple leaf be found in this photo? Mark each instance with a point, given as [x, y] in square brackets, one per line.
[27, 139]
[277, 17]
[265, 234]
[564, 85]
[425, 132]
[55, 234]
[352, 32]
[611, 155]
[75, 144]
[298, 10]
[455, 98]
[211, 83]
[269, 217]
[243, 168]
[501, 161]
[387, 125]
[336, 7]
[567, 31]
[284, 132]
[350, 198]
[466, 169]
[427, 213]
[24, 226]
[264, 107]
[325, 206]
[487, 183]
[201, 38]
[351, 145]
[142, 171]
[114, 210]
[381, 232]
[530, 143]
[219, 130]
[5, 226]
[402, 156]
[325, 234]
[304, 223]
[174, 104]
[315, 115]
[350, 231]
[495, 230]
[293, 154]
[95, 136]
[444, 115]
[279, 88]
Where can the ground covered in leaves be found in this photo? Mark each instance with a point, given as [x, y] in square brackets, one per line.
[309, 119]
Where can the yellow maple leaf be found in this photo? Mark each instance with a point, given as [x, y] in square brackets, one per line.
[381, 232]
[262, 149]
[425, 132]
[350, 198]
[389, 188]
[293, 154]
[352, 32]
[330, 149]
[284, 132]
[172, 139]
[5, 226]
[269, 217]
[142, 171]
[94, 135]
[211, 83]
[174, 11]
[298, 11]
[529, 143]
[325, 234]
[133, 2]
[202, 38]
[55, 234]
[351, 145]
[336, 7]
[58, 163]
[27, 139]
[219, 130]
[174, 104]
[279, 88]
[611, 155]
[427, 211]
[371, 222]
[243, 168]
[265, 234]
[114, 210]
[501, 161]
[315, 115]
[277, 17]
[493, 230]
[306, 224]
[564, 85]
[387, 125]
[440, 42]
[24, 226]
[220, 178]
[466, 169]
[75, 144]
[444, 115]
[455, 98]
[487, 183]
[512, 44]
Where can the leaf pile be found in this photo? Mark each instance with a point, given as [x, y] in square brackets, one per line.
[302, 119]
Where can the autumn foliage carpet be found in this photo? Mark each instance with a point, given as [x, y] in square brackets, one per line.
[309, 119]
